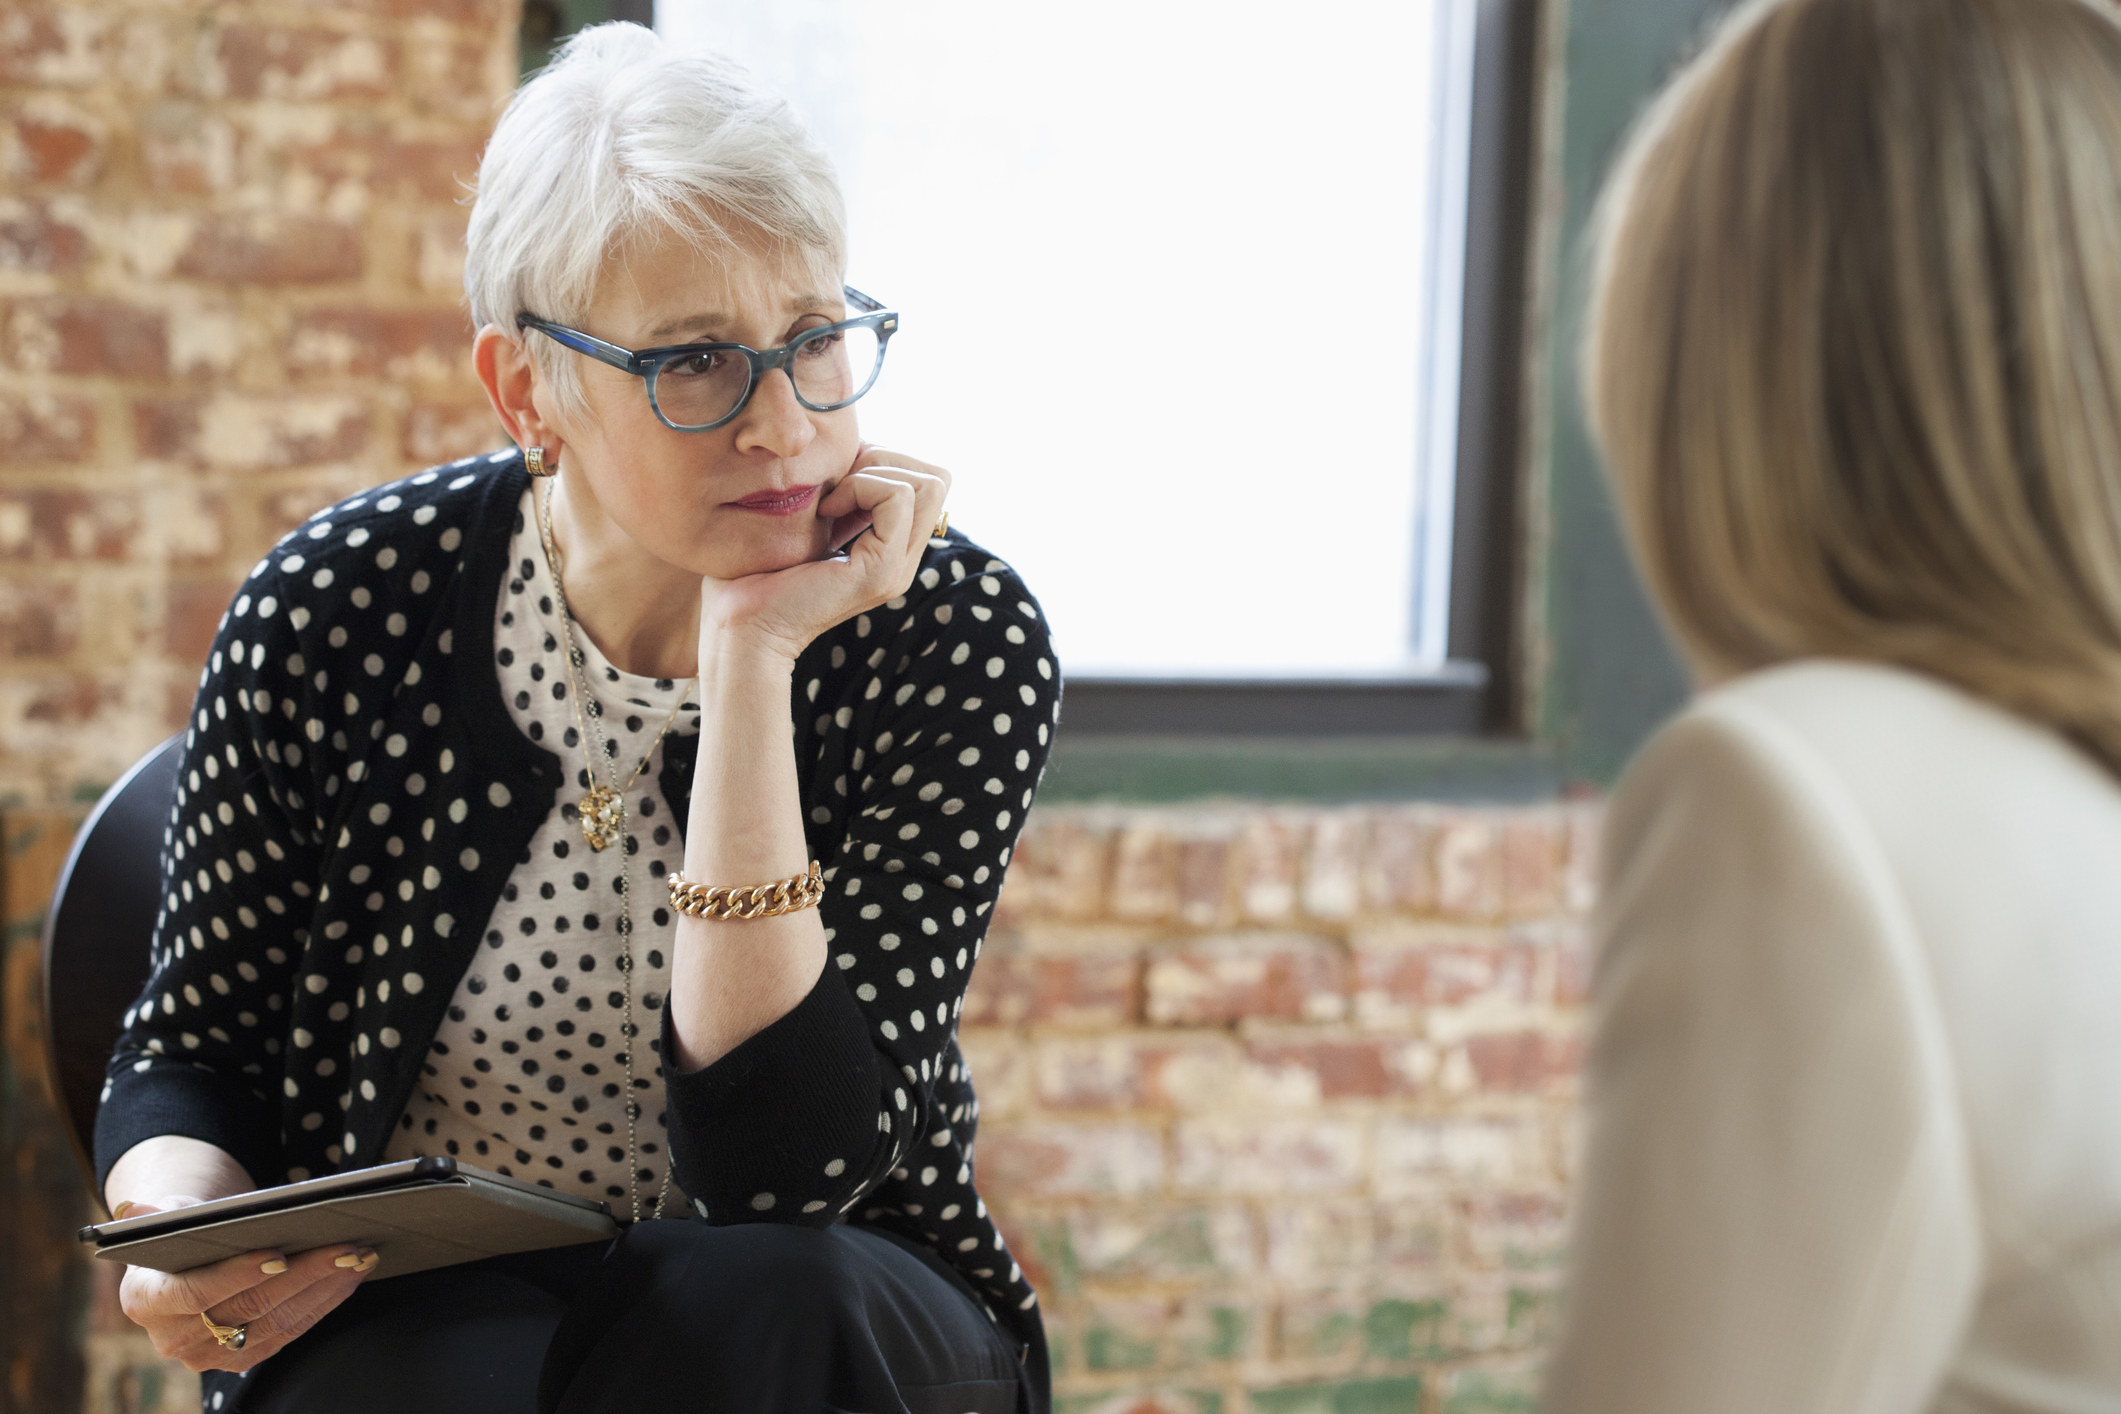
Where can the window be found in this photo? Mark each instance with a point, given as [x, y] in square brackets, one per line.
[1183, 290]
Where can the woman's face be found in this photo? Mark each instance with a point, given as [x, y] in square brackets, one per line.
[740, 499]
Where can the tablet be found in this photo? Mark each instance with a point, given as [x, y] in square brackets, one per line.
[415, 1215]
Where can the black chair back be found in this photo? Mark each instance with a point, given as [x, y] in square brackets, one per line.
[97, 931]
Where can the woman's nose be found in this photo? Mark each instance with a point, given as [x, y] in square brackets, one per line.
[774, 419]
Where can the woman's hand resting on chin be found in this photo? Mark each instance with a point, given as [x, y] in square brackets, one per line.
[882, 513]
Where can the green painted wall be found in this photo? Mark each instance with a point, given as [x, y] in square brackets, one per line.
[1611, 674]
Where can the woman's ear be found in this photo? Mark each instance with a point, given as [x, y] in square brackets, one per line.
[511, 382]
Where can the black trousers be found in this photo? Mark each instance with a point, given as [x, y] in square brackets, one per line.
[674, 1316]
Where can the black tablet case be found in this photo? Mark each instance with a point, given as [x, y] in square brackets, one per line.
[415, 1215]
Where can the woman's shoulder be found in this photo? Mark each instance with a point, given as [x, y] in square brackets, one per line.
[1885, 733]
[387, 550]
[1948, 800]
[429, 514]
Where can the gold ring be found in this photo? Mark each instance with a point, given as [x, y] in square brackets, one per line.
[941, 527]
[227, 1337]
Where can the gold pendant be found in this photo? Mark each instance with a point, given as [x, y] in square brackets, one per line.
[600, 817]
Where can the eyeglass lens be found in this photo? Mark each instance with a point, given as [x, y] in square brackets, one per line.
[704, 388]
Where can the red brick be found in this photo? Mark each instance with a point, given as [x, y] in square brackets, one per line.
[1348, 1069]
[271, 250]
[1218, 981]
[187, 148]
[1144, 874]
[1414, 1156]
[1010, 989]
[250, 433]
[405, 345]
[192, 617]
[1250, 1155]
[1332, 879]
[1468, 868]
[53, 523]
[390, 165]
[308, 65]
[53, 47]
[1396, 983]
[34, 240]
[1100, 1074]
[1070, 1160]
[1572, 967]
[1525, 1062]
[87, 337]
[53, 146]
[1531, 864]
[1057, 872]
[434, 246]
[1266, 863]
[1513, 1230]
[62, 700]
[455, 79]
[1399, 874]
[1124, 1071]
[39, 618]
[1204, 882]
[468, 13]
[438, 432]
[46, 427]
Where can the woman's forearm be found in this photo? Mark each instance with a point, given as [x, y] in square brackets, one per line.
[730, 980]
[171, 1165]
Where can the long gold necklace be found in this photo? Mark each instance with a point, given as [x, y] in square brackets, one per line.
[601, 811]
[603, 819]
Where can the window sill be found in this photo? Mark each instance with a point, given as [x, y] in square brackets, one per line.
[1450, 699]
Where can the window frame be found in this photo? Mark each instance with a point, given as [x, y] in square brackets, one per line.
[1478, 691]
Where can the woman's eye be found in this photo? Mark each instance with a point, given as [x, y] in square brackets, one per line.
[697, 365]
[823, 347]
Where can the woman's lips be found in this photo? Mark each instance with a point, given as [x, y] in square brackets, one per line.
[778, 503]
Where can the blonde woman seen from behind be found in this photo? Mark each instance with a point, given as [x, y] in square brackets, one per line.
[1855, 364]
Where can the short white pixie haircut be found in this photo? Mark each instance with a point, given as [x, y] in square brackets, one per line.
[621, 140]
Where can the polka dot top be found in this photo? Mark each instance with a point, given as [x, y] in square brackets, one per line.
[356, 795]
[527, 1074]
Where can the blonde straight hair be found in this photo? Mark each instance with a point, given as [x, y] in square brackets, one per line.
[1854, 350]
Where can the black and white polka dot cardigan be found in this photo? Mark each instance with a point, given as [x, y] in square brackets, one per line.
[354, 795]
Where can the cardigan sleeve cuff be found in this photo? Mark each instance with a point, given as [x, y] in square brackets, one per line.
[782, 1128]
[176, 1098]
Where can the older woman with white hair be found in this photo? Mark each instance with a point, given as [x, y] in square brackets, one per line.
[691, 714]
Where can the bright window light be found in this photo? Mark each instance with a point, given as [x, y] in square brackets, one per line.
[1181, 296]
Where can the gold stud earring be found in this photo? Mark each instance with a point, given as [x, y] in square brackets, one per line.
[534, 462]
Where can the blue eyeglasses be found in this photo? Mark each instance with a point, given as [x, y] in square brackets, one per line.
[699, 387]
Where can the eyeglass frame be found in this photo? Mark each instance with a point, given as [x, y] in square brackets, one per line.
[648, 364]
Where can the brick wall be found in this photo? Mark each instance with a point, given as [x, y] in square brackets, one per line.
[1276, 1107]
[1277, 1102]
[229, 270]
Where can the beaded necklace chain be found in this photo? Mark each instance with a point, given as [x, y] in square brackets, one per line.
[603, 819]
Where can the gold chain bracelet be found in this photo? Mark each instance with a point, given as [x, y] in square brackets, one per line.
[790, 895]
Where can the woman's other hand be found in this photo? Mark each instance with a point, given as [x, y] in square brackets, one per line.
[274, 1298]
[883, 512]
